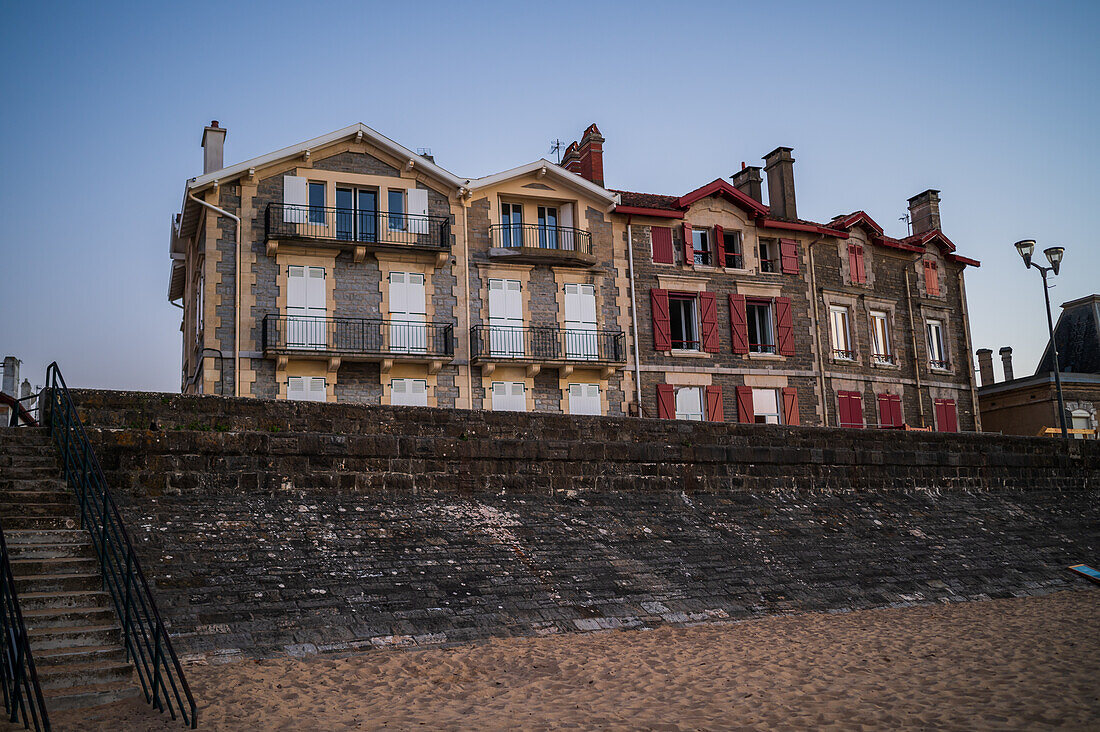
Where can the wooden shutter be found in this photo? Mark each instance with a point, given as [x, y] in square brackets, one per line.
[662, 244]
[851, 408]
[947, 419]
[790, 405]
[719, 246]
[666, 402]
[744, 405]
[662, 329]
[689, 253]
[889, 410]
[418, 210]
[714, 404]
[788, 256]
[739, 324]
[931, 278]
[295, 199]
[708, 319]
[784, 329]
[855, 264]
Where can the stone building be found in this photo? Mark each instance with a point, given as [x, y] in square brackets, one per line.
[1029, 405]
[370, 274]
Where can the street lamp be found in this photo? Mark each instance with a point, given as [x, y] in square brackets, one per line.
[1026, 248]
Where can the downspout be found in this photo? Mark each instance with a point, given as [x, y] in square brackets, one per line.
[969, 353]
[466, 297]
[817, 337]
[634, 313]
[913, 338]
[237, 288]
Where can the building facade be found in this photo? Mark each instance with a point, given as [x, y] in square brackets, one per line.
[370, 274]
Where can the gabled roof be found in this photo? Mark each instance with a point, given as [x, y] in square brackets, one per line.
[935, 235]
[1078, 337]
[914, 243]
[722, 189]
[857, 218]
[544, 167]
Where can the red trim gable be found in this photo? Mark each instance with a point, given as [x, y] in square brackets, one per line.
[928, 236]
[720, 187]
[797, 226]
[859, 218]
[963, 260]
[658, 212]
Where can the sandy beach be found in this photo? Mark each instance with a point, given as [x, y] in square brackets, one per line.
[1031, 663]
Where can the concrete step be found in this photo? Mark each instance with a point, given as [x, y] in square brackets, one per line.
[67, 637]
[41, 522]
[20, 509]
[36, 491]
[63, 600]
[48, 657]
[18, 537]
[64, 676]
[62, 565]
[43, 583]
[19, 471]
[68, 617]
[64, 550]
[80, 697]
[26, 448]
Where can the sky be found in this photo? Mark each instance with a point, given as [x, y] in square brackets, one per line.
[994, 104]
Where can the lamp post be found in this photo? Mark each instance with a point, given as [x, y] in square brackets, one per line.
[1026, 248]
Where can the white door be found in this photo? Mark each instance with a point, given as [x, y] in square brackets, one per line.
[584, 399]
[509, 396]
[409, 392]
[505, 318]
[580, 322]
[306, 389]
[305, 307]
[408, 331]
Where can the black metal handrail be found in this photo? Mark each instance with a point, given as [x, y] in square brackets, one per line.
[549, 343]
[22, 693]
[352, 227]
[351, 336]
[146, 640]
[541, 236]
[19, 413]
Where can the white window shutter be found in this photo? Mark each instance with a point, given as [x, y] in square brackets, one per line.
[296, 290]
[295, 199]
[317, 390]
[565, 216]
[315, 291]
[415, 300]
[295, 387]
[418, 207]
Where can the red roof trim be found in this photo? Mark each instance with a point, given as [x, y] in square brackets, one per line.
[932, 235]
[658, 212]
[859, 217]
[964, 260]
[721, 187]
[794, 226]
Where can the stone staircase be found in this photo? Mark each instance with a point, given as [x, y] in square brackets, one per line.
[75, 636]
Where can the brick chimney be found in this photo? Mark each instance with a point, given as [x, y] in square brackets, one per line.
[1006, 362]
[747, 180]
[591, 155]
[779, 165]
[924, 211]
[571, 160]
[213, 148]
[985, 366]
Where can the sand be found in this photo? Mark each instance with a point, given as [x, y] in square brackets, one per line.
[1031, 663]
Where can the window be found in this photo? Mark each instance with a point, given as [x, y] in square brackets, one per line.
[937, 357]
[306, 308]
[409, 392]
[880, 338]
[509, 396]
[506, 318]
[769, 256]
[689, 403]
[731, 242]
[684, 321]
[841, 335]
[700, 243]
[511, 225]
[199, 298]
[307, 389]
[357, 214]
[584, 399]
[765, 406]
[317, 203]
[548, 227]
[408, 330]
[1079, 419]
[758, 313]
[395, 203]
[581, 341]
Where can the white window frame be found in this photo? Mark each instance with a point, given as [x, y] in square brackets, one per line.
[761, 411]
[839, 315]
[685, 410]
[700, 245]
[937, 350]
[769, 247]
[765, 324]
[739, 243]
[692, 309]
[880, 334]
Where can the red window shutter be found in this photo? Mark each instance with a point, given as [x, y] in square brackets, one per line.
[855, 264]
[946, 416]
[886, 411]
[739, 324]
[860, 265]
[719, 246]
[662, 329]
[708, 321]
[744, 405]
[689, 251]
[895, 405]
[851, 408]
[784, 329]
[714, 404]
[790, 405]
[931, 278]
[666, 402]
[662, 244]
[788, 256]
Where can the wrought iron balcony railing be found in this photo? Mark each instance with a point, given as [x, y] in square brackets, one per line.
[537, 236]
[883, 358]
[355, 228]
[303, 335]
[841, 355]
[492, 342]
[941, 365]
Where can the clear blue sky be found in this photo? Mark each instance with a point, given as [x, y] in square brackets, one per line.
[996, 104]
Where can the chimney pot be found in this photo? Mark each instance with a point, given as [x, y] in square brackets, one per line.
[985, 365]
[779, 165]
[924, 211]
[213, 147]
[591, 155]
[1006, 362]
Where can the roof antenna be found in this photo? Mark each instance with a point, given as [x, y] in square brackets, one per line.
[908, 224]
[556, 146]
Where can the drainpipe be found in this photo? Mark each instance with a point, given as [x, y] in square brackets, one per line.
[817, 337]
[969, 353]
[634, 312]
[913, 338]
[237, 288]
[462, 193]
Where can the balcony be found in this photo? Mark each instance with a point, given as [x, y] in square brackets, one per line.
[552, 346]
[357, 339]
[883, 359]
[355, 231]
[536, 244]
[939, 365]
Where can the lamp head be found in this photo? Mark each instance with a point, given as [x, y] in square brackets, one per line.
[1026, 248]
[1054, 255]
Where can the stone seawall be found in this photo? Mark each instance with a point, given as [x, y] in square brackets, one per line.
[275, 527]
